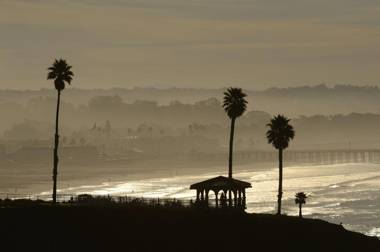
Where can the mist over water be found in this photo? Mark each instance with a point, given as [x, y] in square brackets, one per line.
[340, 193]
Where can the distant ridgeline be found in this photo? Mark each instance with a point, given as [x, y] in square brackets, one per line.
[319, 99]
[187, 121]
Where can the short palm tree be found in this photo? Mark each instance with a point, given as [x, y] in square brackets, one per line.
[300, 200]
[279, 135]
[234, 104]
[61, 73]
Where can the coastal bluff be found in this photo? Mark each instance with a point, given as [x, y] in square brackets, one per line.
[113, 228]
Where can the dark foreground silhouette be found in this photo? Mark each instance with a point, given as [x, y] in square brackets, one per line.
[133, 228]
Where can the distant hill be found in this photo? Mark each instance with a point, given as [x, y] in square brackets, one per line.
[320, 99]
[293, 101]
[324, 117]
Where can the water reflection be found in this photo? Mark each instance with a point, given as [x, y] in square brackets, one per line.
[347, 193]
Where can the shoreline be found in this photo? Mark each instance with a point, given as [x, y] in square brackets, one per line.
[86, 174]
[154, 184]
[27, 178]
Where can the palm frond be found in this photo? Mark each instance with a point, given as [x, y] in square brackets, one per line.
[51, 75]
[280, 132]
[300, 198]
[234, 102]
[61, 72]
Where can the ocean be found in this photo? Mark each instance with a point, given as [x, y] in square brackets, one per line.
[340, 193]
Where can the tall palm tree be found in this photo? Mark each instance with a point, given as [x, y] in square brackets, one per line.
[279, 135]
[234, 104]
[300, 200]
[61, 73]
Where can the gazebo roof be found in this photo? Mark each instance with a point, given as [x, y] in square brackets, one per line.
[220, 183]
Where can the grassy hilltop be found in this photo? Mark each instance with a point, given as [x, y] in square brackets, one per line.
[123, 228]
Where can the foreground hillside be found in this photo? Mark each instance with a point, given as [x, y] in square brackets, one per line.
[93, 228]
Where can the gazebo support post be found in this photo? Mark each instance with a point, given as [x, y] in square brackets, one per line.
[216, 199]
[206, 197]
[244, 198]
[229, 198]
[235, 198]
[240, 203]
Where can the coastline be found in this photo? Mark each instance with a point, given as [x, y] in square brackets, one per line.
[37, 178]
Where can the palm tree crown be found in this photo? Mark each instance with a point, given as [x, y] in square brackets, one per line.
[61, 72]
[234, 102]
[300, 198]
[280, 132]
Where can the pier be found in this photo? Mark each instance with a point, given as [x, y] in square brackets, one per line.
[333, 156]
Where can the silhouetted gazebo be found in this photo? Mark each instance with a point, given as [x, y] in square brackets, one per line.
[223, 185]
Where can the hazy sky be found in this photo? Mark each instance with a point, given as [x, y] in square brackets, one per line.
[191, 43]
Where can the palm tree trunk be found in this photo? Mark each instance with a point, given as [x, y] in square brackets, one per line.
[279, 181]
[56, 141]
[231, 147]
[300, 210]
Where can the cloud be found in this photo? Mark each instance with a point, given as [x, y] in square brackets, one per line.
[193, 42]
[232, 9]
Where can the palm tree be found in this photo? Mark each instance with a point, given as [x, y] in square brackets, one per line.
[279, 135]
[300, 200]
[61, 73]
[234, 104]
